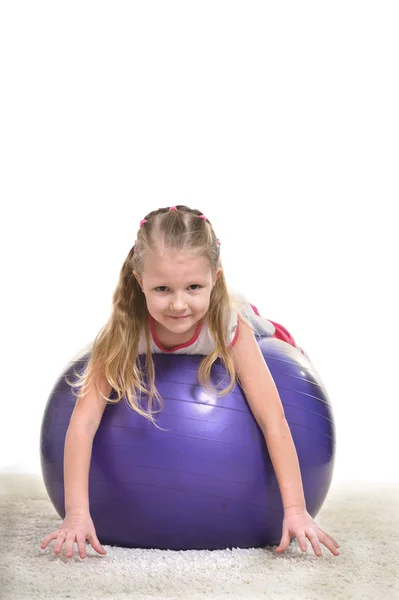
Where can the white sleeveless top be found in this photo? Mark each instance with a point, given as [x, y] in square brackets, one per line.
[202, 341]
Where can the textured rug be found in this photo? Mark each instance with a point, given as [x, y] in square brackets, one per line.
[362, 517]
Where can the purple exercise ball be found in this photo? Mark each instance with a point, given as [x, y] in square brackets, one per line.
[207, 482]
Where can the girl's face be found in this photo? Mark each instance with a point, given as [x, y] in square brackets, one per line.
[177, 288]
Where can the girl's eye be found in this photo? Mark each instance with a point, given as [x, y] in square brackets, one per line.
[163, 287]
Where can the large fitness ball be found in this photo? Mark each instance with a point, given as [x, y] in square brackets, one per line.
[208, 481]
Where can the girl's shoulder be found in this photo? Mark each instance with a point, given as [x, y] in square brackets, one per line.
[240, 305]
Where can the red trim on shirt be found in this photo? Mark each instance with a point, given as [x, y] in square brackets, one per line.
[281, 332]
[158, 343]
[255, 310]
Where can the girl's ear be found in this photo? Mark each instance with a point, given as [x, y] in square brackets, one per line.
[138, 278]
[217, 274]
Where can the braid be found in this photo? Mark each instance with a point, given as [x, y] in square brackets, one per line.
[153, 213]
[176, 222]
[179, 207]
[191, 211]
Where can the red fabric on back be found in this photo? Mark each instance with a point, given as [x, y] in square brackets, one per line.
[281, 332]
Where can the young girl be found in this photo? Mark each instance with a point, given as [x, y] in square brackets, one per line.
[172, 297]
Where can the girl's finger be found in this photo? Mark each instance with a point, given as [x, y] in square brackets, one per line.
[314, 540]
[69, 544]
[329, 543]
[60, 541]
[51, 536]
[81, 542]
[302, 541]
[330, 538]
[95, 543]
[331, 547]
[333, 541]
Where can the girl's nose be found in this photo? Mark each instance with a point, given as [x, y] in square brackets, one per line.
[178, 303]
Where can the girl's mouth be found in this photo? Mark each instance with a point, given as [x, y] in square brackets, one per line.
[178, 318]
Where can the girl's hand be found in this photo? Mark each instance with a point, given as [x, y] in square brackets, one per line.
[77, 527]
[298, 523]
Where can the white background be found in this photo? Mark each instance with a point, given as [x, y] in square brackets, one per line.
[278, 120]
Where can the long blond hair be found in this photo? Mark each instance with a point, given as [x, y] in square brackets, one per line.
[115, 348]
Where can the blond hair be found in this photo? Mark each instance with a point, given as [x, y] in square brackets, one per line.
[115, 348]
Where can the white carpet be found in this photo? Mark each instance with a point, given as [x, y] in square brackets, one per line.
[362, 517]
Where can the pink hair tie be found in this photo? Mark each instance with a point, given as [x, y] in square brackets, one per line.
[203, 217]
[172, 208]
[143, 221]
[218, 241]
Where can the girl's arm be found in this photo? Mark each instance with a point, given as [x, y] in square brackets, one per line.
[83, 425]
[264, 401]
[77, 456]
